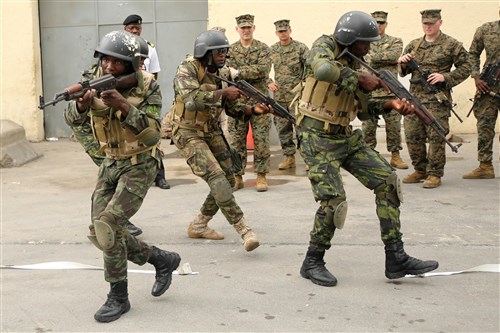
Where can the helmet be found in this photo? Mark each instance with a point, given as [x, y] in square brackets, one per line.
[143, 47]
[209, 40]
[354, 26]
[122, 45]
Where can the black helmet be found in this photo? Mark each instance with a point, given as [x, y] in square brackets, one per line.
[122, 45]
[143, 47]
[354, 26]
[209, 40]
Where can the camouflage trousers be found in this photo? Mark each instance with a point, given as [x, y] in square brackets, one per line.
[417, 134]
[325, 154]
[285, 132]
[261, 126]
[486, 112]
[120, 191]
[207, 154]
[392, 131]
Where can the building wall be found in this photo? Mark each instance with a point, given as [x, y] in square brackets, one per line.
[21, 68]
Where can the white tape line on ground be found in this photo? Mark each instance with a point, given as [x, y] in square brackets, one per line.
[489, 268]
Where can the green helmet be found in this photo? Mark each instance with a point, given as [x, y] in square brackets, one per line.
[122, 45]
[209, 40]
[354, 26]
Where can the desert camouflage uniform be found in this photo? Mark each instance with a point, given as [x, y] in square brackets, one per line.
[384, 54]
[253, 65]
[122, 185]
[289, 62]
[436, 57]
[325, 152]
[206, 150]
[487, 37]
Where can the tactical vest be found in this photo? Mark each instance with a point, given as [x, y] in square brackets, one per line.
[119, 142]
[323, 101]
[196, 115]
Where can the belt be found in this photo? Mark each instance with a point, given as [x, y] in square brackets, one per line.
[320, 125]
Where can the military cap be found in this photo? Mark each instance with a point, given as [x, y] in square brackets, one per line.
[217, 28]
[282, 25]
[131, 19]
[431, 15]
[245, 20]
[380, 16]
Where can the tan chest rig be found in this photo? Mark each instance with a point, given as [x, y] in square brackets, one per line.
[119, 142]
[322, 101]
[196, 115]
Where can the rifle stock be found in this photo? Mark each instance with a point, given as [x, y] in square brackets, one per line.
[401, 92]
[258, 96]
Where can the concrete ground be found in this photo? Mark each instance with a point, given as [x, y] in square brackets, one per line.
[45, 213]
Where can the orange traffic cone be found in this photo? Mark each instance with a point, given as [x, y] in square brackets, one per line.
[250, 144]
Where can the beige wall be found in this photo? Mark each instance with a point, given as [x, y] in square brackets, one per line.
[20, 65]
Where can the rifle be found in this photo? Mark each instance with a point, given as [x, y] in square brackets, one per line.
[437, 89]
[255, 94]
[100, 84]
[490, 75]
[401, 92]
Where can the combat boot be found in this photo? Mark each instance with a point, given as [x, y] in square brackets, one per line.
[432, 182]
[398, 263]
[133, 229]
[199, 228]
[249, 238]
[165, 263]
[116, 304]
[313, 268]
[484, 171]
[415, 177]
[397, 162]
[238, 183]
[287, 163]
[261, 182]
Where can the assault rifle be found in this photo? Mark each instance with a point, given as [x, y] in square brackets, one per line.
[401, 92]
[437, 89]
[255, 94]
[490, 75]
[100, 84]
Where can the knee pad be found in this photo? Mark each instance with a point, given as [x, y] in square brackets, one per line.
[105, 230]
[220, 188]
[390, 189]
[336, 211]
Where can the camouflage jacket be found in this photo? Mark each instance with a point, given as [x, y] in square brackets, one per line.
[326, 47]
[289, 64]
[253, 63]
[191, 83]
[438, 57]
[487, 37]
[384, 54]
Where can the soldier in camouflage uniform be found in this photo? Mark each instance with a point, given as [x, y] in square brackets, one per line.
[334, 94]
[384, 54]
[289, 61]
[435, 53]
[252, 61]
[126, 126]
[486, 106]
[200, 98]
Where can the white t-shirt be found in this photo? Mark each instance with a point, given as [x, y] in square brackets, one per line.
[151, 63]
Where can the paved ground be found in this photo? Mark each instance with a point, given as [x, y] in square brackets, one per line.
[45, 213]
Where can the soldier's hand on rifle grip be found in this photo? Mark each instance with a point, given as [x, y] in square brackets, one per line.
[113, 99]
[402, 106]
[231, 93]
[370, 82]
[261, 108]
[481, 85]
[83, 102]
[405, 58]
[435, 78]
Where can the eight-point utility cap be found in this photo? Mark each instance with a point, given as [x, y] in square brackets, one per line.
[282, 25]
[245, 21]
[380, 16]
[431, 15]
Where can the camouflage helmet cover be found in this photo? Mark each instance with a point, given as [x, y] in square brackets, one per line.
[354, 26]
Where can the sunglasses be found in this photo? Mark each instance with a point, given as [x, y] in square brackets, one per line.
[223, 50]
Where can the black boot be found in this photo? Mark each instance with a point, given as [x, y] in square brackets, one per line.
[313, 268]
[398, 263]
[165, 263]
[116, 304]
[133, 229]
